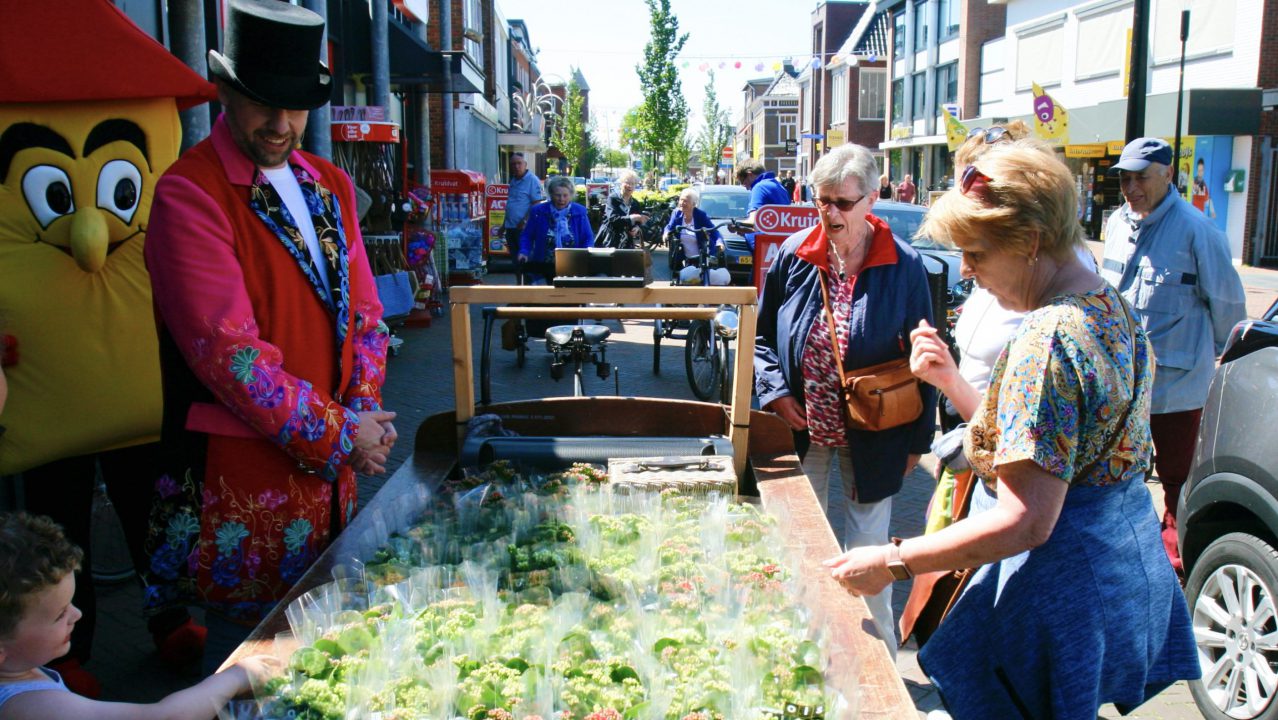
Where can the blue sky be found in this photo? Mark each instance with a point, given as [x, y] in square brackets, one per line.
[605, 39]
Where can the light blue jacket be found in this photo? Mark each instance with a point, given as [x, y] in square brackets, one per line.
[1174, 268]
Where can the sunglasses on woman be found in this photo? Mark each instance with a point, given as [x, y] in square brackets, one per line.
[991, 135]
[973, 178]
[843, 204]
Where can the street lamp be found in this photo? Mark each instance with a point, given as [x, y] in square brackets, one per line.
[1180, 93]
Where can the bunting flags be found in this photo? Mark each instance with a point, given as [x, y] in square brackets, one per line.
[955, 131]
[1051, 119]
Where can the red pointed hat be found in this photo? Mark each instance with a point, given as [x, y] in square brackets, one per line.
[77, 50]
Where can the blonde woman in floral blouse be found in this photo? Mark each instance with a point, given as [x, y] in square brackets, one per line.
[1074, 603]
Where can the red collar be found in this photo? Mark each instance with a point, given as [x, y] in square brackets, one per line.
[815, 248]
[240, 170]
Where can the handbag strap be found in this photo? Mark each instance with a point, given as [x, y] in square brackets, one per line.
[834, 335]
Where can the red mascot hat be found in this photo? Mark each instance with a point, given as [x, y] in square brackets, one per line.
[34, 74]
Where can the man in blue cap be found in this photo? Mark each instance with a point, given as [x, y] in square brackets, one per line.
[1174, 267]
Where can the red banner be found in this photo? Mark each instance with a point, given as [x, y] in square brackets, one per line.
[773, 224]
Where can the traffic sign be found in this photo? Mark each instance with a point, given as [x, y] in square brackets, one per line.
[727, 153]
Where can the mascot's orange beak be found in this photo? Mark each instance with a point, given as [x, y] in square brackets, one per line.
[89, 238]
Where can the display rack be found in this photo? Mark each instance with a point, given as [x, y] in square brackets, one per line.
[461, 225]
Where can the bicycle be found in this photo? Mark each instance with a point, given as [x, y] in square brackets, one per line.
[707, 345]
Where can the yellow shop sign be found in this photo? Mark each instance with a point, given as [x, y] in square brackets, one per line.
[1087, 150]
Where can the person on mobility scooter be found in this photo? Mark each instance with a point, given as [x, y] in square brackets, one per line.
[688, 232]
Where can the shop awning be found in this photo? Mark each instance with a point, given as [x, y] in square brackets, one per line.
[412, 61]
[916, 141]
[521, 141]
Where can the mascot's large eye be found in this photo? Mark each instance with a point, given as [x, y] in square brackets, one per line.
[47, 190]
[120, 189]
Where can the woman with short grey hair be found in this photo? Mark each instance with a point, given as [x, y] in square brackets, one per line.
[622, 220]
[848, 279]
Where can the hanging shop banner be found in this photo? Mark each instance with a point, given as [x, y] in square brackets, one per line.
[1089, 150]
[365, 131]
[495, 205]
[773, 224]
[1115, 147]
[834, 137]
[1051, 119]
[955, 131]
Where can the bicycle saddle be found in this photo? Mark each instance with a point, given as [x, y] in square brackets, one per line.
[561, 335]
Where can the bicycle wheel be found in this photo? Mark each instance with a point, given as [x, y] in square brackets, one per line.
[701, 357]
[725, 372]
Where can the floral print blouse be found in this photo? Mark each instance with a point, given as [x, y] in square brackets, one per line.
[1059, 391]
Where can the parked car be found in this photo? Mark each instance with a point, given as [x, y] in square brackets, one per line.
[668, 181]
[1228, 530]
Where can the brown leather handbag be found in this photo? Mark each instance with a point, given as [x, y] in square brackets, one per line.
[933, 594]
[877, 397]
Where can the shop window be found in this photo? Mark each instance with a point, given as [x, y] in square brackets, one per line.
[920, 25]
[872, 92]
[1211, 28]
[898, 99]
[1039, 56]
[919, 104]
[839, 96]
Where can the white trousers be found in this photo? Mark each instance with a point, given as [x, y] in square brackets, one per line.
[855, 524]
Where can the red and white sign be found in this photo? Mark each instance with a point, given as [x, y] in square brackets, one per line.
[727, 153]
[365, 131]
[597, 189]
[773, 224]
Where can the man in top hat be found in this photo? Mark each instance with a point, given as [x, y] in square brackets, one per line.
[1174, 267]
[272, 345]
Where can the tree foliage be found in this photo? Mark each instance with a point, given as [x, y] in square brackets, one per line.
[664, 113]
[679, 153]
[717, 132]
[571, 132]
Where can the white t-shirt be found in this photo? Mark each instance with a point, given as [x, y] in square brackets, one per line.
[984, 327]
[285, 183]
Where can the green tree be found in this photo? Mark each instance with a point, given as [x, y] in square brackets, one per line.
[664, 112]
[571, 132]
[679, 153]
[716, 134]
[632, 134]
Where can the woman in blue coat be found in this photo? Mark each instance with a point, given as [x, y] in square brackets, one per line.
[558, 223]
[878, 290]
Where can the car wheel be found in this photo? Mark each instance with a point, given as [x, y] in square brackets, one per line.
[1231, 593]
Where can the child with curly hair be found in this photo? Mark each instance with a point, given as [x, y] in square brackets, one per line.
[37, 579]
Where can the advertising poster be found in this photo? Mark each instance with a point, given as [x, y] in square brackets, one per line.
[495, 206]
[773, 224]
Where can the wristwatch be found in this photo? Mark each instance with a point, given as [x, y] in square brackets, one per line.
[895, 564]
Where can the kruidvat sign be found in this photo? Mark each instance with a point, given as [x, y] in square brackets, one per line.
[773, 224]
[785, 219]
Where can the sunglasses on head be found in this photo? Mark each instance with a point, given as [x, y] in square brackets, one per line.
[842, 204]
[973, 178]
[991, 135]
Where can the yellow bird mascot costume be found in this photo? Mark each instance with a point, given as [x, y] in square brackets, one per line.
[88, 123]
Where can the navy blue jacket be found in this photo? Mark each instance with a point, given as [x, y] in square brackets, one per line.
[888, 300]
[532, 242]
[699, 220]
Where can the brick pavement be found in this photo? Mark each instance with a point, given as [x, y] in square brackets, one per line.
[419, 383]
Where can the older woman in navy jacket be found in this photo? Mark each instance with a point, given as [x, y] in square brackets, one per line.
[879, 292]
[558, 223]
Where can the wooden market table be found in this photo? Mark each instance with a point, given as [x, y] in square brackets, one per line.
[763, 453]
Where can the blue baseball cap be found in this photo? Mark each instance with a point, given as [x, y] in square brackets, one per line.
[1140, 152]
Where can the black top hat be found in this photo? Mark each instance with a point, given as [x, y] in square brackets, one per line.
[272, 55]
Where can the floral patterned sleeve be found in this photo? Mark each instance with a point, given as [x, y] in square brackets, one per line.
[1040, 398]
[201, 297]
[370, 335]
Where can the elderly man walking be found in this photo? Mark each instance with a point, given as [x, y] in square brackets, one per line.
[272, 346]
[525, 191]
[1174, 267]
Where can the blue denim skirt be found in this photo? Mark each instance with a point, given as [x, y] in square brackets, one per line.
[1095, 615]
